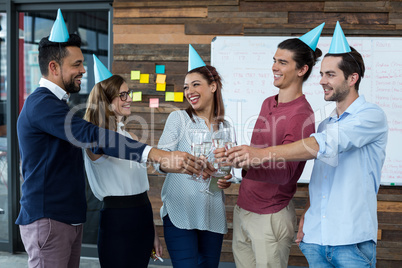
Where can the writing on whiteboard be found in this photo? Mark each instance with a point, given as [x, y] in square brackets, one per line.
[245, 66]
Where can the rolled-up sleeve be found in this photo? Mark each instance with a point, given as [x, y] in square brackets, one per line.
[350, 131]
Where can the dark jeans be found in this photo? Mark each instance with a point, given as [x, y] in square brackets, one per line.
[192, 248]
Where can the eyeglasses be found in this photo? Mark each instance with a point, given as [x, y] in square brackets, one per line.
[124, 95]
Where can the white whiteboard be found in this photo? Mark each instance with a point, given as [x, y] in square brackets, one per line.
[245, 66]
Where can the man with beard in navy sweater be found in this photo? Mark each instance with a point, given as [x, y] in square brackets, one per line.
[53, 203]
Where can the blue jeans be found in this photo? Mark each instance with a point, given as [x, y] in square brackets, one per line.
[192, 248]
[350, 256]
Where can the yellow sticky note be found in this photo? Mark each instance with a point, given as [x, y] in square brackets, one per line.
[137, 96]
[160, 78]
[161, 87]
[135, 75]
[169, 96]
[178, 97]
[144, 78]
[153, 102]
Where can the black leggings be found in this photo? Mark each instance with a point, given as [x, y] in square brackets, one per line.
[126, 236]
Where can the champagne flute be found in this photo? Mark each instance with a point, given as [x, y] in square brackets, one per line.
[205, 150]
[219, 138]
[196, 146]
[232, 143]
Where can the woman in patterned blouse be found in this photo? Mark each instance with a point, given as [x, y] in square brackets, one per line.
[194, 222]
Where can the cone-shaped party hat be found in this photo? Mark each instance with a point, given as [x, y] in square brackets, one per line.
[194, 60]
[59, 32]
[101, 72]
[311, 38]
[339, 44]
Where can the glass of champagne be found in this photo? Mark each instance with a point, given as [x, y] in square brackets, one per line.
[219, 138]
[196, 146]
[206, 149]
[232, 143]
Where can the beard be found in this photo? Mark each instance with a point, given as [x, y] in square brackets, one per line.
[70, 86]
[339, 93]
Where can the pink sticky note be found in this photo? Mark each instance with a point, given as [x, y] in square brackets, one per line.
[153, 102]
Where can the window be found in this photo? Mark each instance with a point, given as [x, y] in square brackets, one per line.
[4, 224]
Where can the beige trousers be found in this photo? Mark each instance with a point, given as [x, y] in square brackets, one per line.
[263, 240]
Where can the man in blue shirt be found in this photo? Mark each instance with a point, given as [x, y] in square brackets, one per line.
[339, 227]
[53, 203]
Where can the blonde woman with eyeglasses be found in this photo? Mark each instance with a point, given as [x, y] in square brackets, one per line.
[127, 233]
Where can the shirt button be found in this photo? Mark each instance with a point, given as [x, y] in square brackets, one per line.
[323, 216]
[270, 113]
[323, 196]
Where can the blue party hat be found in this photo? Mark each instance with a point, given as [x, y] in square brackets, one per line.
[101, 72]
[339, 44]
[311, 38]
[194, 60]
[59, 32]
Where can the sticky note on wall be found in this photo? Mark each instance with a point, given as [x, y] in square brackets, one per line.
[178, 97]
[160, 69]
[144, 78]
[135, 75]
[161, 87]
[160, 78]
[137, 96]
[153, 102]
[169, 96]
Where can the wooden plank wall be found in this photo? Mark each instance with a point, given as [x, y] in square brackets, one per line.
[147, 33]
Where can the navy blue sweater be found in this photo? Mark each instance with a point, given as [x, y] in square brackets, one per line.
[50, 140]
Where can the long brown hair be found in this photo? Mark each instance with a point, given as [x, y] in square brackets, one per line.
[99, 111]
[211, 75]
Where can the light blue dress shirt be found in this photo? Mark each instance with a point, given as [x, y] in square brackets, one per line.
[346, 176]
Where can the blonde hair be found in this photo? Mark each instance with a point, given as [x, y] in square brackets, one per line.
[99, 111]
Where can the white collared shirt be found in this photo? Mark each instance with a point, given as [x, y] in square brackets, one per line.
[55, 89]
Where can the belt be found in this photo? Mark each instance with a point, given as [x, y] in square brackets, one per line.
[127, 201]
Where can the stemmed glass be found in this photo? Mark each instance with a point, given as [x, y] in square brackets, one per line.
[206, 149]
[197, 146]
[219, 138]
[232, 143]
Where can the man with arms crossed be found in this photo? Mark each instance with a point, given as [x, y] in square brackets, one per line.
[339, 227]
